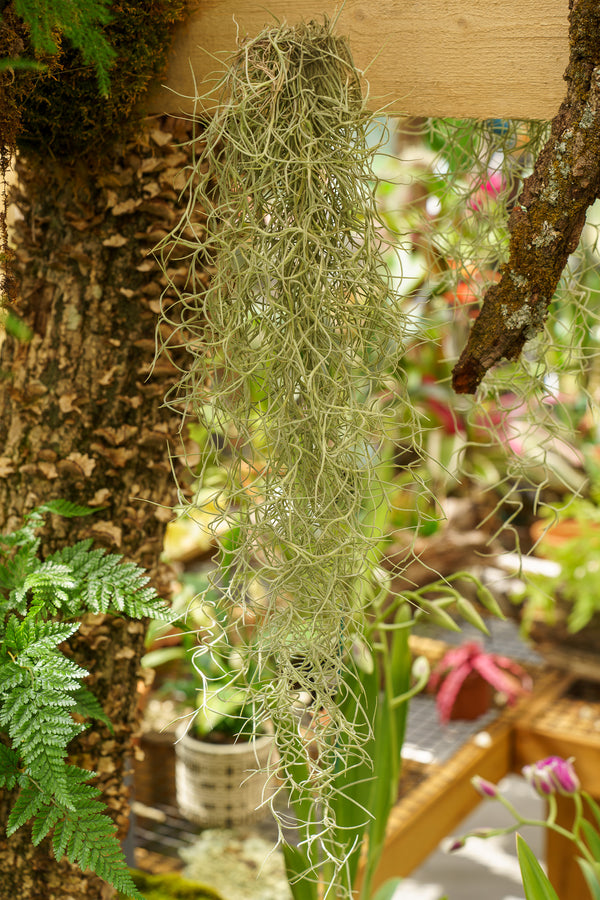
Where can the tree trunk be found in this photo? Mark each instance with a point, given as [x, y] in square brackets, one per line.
[81, 419]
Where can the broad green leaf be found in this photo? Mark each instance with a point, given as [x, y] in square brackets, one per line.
[387, 890]
[592, 837]
[301, 880]
[487, 599]
[401, 665]
[591, 878]
[535, 881]
[470, 614]
[352, 788]
[162, 655]
[592, 805]
[434, 613]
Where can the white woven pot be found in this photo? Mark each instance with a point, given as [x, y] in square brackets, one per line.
[218, 784]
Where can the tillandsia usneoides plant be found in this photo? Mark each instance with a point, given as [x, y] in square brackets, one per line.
[42, 601]
[289, 354]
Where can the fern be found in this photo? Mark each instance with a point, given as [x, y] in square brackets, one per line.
[41, 602]
[80, 21]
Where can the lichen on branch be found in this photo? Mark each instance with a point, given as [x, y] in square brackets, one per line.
[548, 217]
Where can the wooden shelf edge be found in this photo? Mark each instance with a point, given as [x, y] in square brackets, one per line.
[434, 808]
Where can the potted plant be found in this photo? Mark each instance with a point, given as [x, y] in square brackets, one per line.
[466, 677]
[221, 762]
[561, 606]
[219, 757]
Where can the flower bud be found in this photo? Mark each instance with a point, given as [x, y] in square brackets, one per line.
[421, 669]
[551, 775]
[485, 788]
[457, 844]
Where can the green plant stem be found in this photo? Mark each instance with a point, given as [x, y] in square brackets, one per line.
[549, 823]
[419, 685]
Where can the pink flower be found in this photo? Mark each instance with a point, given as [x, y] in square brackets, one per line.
[485, 788]
[491, 188]
[506, 676]
[547, 776]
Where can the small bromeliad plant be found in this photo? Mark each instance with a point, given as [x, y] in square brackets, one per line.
[458, 664]
[43, 698]
[549, 777]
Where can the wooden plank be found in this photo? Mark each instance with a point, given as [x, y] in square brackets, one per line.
[533, 743]
[437, 806]
[461, 58]
[552, 727]
[561, 856]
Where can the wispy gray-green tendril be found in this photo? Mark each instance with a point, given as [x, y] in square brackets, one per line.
[288, 350]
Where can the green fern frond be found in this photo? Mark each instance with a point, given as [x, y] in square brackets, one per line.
[52, 669]
[66, 509]
[17, 567]
[12, 676]
[86, 836]
[83, 832]
[41, 688]
[20, 634]
[48, 635]
[44, 822]
[49, 586]
[106, 584]
[81, 22]
[26, 534]
[9, 767]
[28, 803]
[40, 726]
[88, 706]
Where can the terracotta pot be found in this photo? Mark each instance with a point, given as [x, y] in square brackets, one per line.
[555, 535]
[154, 769]
[474, 698]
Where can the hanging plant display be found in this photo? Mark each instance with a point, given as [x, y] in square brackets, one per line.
[290, 349]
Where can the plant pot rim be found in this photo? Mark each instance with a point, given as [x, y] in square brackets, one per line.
[200, 746]
[555, 534]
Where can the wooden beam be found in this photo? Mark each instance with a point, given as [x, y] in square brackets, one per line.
[436, 807]
[459, 58]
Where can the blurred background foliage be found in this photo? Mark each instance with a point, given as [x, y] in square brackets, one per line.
[444, 191]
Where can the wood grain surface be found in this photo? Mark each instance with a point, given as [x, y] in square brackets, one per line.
[461, 58]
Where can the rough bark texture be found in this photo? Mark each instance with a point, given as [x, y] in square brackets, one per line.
[81, 419]
[546, 221]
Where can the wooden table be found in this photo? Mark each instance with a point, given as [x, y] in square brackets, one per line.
[545, 723]
[562, 726]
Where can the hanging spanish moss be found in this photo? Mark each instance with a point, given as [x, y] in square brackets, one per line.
[289, 350]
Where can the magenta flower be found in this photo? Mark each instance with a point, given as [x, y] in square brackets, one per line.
[484, 787]
[491, 188]
[551, 775]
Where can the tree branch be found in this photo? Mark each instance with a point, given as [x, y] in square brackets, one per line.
[547, 219]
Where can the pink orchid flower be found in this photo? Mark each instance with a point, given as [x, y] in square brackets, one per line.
[551, 775]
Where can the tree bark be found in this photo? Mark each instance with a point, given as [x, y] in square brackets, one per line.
[546, 221]
[81, 419]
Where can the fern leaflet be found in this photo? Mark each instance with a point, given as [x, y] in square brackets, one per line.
[41, 601]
